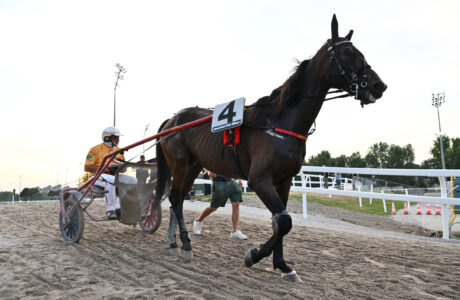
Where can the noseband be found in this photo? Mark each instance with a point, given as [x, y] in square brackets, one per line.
[351, 77]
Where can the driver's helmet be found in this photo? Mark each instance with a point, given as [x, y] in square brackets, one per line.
[108, 132]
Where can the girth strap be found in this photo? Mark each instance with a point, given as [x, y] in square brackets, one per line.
[231, 139]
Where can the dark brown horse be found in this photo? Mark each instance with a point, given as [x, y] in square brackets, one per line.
[266, 156]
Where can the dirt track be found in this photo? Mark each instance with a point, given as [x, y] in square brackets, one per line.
[117, 261]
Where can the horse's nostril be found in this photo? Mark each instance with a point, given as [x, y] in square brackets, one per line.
[379, 86]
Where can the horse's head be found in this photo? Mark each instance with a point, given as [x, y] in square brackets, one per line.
[348, 69]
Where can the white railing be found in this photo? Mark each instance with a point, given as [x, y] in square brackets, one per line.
[305, 188]
[314, 183]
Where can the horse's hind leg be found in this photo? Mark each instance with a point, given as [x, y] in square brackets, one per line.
[173, 247]
[177, 208]
[182, 183]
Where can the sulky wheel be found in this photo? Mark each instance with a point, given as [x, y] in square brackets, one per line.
[73, 225]
[152, 219]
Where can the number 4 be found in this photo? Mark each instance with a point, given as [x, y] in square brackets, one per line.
[227, 113]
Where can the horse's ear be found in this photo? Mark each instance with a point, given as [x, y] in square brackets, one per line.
[348, 37]
[334, 29]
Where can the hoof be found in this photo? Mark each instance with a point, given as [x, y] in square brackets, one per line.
[186, 255]
[173, 251]
[291, 277]
[248, 258]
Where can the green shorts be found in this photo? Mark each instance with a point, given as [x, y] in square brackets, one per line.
[222, 190]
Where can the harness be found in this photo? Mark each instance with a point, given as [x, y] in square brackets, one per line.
[352, 79]
[232, 139]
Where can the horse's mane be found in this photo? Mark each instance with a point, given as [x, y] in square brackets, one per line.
[282, 96]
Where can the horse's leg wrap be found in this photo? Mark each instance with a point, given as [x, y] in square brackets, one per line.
[278, 258]
[171, 236]
[282, 223]
[186, 245]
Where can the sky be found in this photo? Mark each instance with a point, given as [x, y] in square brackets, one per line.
[57, 72]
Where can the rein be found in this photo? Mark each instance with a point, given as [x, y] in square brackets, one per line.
[347, 94]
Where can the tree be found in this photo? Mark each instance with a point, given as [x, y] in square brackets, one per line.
[355, 161]
[340, 161]
[54, 193]
[28, 193]
[377, 156]
[6, 196]
[451, 153]
[401, 157]
[323, 158]
[455, 149]
[436, 151]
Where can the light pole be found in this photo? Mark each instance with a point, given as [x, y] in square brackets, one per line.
[437, 100]
[121, 69]
[143, 145]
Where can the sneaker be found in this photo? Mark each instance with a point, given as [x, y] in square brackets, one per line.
[111, 215]
[237, 234]
[197, 227]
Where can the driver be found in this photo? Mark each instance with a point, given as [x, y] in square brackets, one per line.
[110, 138]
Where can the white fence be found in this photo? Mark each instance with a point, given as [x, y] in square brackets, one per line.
[445, 201]
[311, 183]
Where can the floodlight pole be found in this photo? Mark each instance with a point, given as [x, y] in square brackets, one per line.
[121, 69]
[437, 100]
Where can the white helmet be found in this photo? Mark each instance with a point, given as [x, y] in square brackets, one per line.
[108, 132]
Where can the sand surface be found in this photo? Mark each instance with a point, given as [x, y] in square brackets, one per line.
[335, 259]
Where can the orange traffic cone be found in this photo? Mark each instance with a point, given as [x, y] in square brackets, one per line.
[406, 211]
[437, 211]
[428, 209]
[393, 209]
[419, 211]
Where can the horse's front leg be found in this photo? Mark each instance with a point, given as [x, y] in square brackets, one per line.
[278, 258]
[281, 223]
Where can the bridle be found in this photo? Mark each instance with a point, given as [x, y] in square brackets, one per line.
[353, 81]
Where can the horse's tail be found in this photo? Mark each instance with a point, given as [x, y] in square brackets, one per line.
[164, 173]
